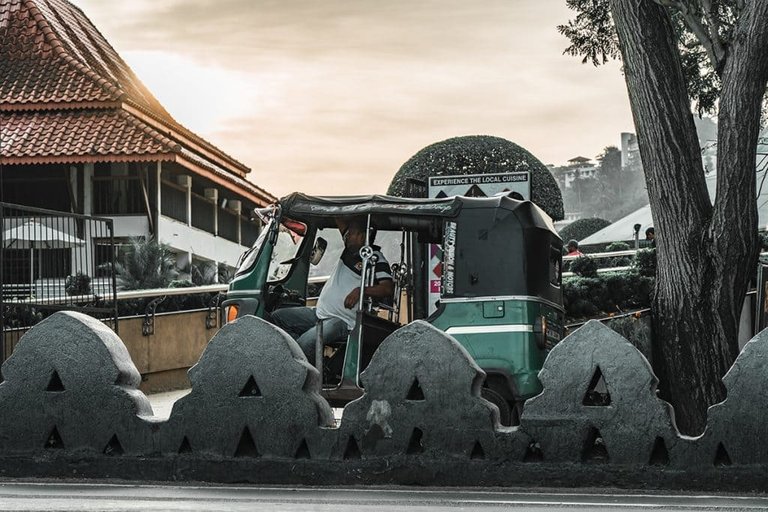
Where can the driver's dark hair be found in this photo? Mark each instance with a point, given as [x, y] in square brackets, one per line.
[359, 224]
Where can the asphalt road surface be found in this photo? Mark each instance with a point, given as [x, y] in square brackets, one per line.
[18, 495]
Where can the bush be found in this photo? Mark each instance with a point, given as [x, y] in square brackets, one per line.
[478, 154]
[78, 284]
[584, 266]
[582, 228]
[645, 262]
[621, 261]
[606, 294]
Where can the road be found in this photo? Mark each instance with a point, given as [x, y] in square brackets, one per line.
[39, 496]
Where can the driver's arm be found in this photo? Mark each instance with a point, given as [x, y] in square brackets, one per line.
[381, 290]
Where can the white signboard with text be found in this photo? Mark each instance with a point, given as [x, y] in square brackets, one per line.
[516, 184]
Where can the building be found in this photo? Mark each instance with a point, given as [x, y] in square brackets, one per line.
[577, 168]
[80, 133]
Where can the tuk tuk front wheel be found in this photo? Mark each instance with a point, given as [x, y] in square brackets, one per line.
[505, 411]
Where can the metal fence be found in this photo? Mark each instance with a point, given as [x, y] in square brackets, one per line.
[53, 261]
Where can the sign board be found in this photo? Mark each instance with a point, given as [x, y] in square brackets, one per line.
[516, 184]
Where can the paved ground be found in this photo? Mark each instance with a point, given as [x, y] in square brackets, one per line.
[35, 496]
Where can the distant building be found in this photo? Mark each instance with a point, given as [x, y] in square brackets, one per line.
[80, 133]
[578, 168]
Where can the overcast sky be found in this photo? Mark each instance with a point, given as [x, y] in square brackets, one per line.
[333, 96]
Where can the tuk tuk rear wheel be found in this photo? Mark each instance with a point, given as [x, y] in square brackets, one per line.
[505, 411]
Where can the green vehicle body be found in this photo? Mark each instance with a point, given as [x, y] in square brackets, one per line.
[500, 295]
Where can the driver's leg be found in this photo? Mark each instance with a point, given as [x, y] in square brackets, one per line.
[334, 329]
[295, 321]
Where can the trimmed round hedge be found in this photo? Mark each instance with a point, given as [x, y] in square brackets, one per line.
[478, 154]
[580, 229]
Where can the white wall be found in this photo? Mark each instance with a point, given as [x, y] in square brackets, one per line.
[185, 238]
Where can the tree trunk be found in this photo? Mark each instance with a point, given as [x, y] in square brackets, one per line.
[706, 254]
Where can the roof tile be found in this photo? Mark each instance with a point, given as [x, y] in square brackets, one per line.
[79, 133]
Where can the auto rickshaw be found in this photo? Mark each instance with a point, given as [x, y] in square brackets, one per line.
[500, 290]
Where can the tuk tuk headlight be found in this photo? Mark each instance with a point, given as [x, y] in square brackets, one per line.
[231, 313]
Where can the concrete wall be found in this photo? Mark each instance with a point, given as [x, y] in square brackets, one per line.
[72, 408]
[164, 357]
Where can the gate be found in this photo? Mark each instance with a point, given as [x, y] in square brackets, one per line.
[53, 261]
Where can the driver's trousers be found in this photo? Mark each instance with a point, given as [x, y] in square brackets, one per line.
[301, 324]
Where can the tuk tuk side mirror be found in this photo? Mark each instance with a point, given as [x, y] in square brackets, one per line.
[318, 250]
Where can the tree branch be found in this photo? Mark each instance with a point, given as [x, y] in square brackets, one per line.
[709, 39]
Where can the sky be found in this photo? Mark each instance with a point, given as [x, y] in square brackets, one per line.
[332, 97]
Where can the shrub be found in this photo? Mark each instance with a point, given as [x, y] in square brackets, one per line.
[620, 261]
[582, 228]
[478, 154]
[606, 294]
[584, 266]
[645, 262]
[78, 284]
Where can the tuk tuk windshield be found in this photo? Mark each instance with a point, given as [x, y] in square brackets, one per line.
[286, 247]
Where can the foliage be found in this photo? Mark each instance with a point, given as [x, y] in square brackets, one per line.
[582, 228]
[617, 246]
[606, 294]
[146, 264]
[79, 284]
[645, 262]
[593, 35]
[479, 154]
[619, 261]
[584, 266]
[20, 315]
[210, 273]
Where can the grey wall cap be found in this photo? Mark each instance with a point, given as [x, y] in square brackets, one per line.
[599, 404]
[253, 394]
[71, 385]
[422, 398]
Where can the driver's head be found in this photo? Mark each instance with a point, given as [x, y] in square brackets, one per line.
[354, 235]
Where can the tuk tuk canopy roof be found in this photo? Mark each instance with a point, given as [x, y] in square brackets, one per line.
[389, 212]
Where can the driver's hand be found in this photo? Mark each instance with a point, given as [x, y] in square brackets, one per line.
[352, 298]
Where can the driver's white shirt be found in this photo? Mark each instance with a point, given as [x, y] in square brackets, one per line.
[343, 280]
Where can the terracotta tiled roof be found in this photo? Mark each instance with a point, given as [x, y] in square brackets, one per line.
[52, 57]
[71, 135]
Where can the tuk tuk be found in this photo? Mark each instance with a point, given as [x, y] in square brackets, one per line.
[500, 291]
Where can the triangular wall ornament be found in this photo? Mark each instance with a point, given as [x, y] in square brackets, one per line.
[185, 446]
[352, 451]
[246, 447]
[659, 454]
[477, 451]
[415, 445]
[54, 383]
[303, 451]
[415, 393]
[251, 389]
[595, 450]
[114, 447]
[597, 394]
[54, 441]
[721, 456]
[533, 453]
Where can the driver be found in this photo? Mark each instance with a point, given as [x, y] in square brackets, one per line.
[337, 304]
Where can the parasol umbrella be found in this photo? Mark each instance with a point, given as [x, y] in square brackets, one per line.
[33, 235]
